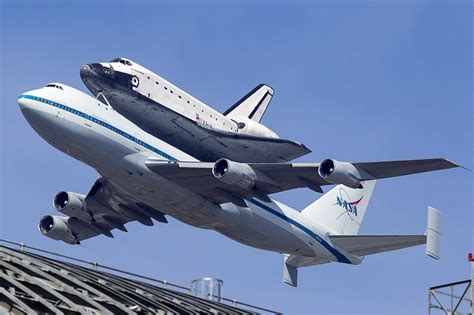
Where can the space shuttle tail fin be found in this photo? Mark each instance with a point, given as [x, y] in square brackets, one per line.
[342, 209]
[253, 105]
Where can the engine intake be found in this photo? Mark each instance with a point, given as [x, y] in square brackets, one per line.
[57, 228]
[234, 173]
[340, 173]
[73, 205]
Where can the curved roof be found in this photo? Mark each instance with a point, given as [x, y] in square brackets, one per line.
[30, 283]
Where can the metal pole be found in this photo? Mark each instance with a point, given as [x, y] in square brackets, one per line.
[452, 296]
[472, 287]
[429, 302]
[440, 304]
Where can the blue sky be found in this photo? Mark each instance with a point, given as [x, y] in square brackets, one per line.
[354, 80]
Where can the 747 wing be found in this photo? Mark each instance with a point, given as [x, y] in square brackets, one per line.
[106, 207]
[228, 181]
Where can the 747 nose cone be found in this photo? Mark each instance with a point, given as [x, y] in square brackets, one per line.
[22, 102]
[25, 101]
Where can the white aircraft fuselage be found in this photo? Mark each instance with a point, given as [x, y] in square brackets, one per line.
[95, 134]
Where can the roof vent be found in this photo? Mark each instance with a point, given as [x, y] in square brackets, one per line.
[207, 288]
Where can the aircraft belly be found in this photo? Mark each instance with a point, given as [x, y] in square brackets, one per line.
[256, 231]
[170, 198]
[202, 143]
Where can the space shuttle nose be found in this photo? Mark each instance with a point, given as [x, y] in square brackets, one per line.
[86, 70]
[96, 71]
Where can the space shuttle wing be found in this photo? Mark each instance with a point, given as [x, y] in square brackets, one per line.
[111, 208]
[362, 245]
[240, 147]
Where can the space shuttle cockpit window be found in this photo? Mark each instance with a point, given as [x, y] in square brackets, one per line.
[122, 61]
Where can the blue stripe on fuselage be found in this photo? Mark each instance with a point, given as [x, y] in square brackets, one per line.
[101, 123]
[339, 256]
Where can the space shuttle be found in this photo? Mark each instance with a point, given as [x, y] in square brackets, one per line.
[174, 116]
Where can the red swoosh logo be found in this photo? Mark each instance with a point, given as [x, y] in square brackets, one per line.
[355, 203]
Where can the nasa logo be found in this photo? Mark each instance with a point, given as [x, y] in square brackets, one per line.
[349, 206]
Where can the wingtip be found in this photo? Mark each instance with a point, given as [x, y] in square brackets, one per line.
[454, 165]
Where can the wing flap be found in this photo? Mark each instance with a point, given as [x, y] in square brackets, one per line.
[81, 229]
[362, 245]
[111, 208]
[304, 261]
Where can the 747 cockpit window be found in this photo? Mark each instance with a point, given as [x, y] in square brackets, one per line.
[54, 86]
[122, 61]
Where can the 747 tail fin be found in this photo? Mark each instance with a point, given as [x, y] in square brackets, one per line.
[342, 209]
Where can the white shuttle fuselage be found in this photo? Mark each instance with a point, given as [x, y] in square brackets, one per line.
[157, 89]
[169, 113]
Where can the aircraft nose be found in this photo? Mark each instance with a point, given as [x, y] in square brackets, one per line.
[95, 70]
[85, 69]
[24, 101]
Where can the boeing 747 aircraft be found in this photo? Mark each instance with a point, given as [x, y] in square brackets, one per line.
[167, 112]
[144, 178]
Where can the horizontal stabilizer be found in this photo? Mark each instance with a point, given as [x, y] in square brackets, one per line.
[291, 263]
[362, 245]
[433, 233]
[253, 105]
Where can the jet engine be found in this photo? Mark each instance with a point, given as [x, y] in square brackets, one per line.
[234, 173]
[73, 205]
[340, 173]
[57, 228]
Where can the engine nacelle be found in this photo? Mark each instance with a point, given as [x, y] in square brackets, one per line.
[57, 228]
[73, 205]
[340, 173]
[253, 128]
[234, 173]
